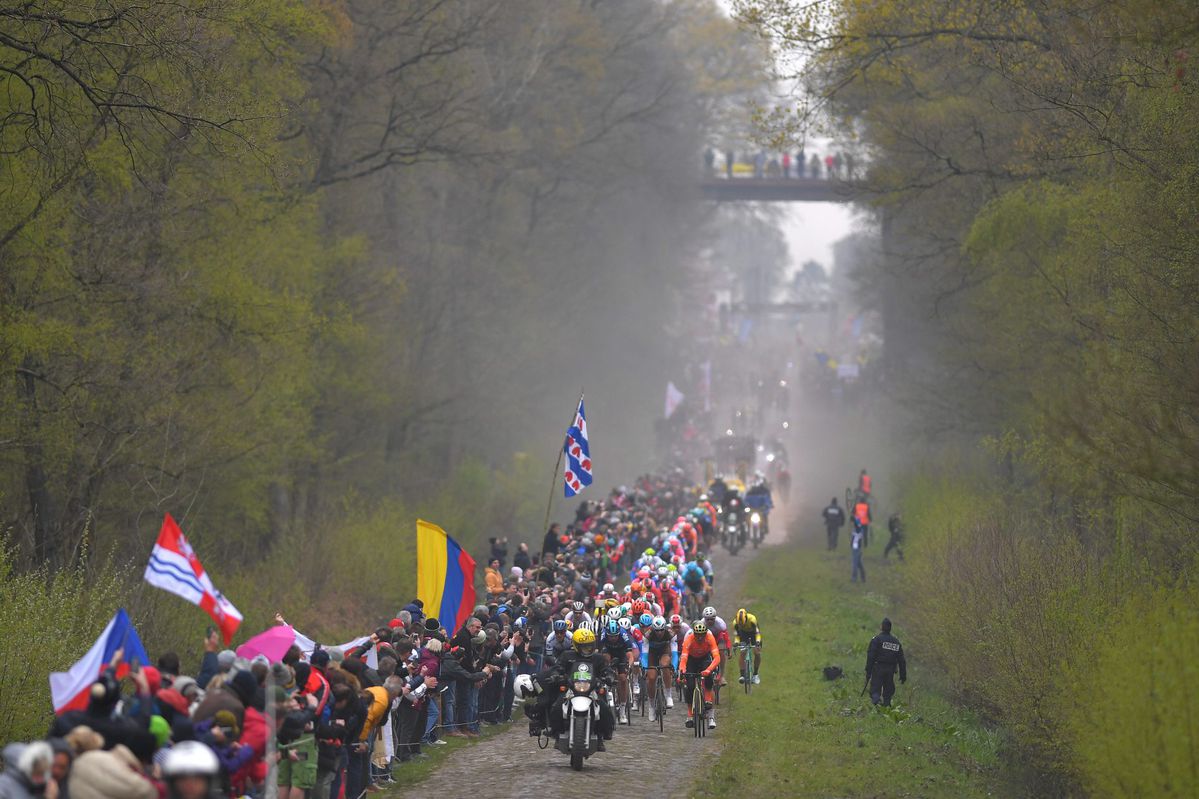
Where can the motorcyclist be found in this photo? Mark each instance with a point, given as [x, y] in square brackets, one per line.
[584, 651]
[758, 498]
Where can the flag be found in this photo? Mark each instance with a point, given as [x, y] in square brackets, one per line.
[578, 454]
[69, 690]
[673, 398]
[445, 576]
[174, 567]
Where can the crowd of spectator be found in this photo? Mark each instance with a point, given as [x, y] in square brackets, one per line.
[326, 721]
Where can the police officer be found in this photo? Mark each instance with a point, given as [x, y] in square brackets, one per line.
[884, 654]
[834, 520]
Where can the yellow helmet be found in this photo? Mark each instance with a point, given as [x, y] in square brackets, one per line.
[699, 629]
[611, 603]
[742, 617]
[584, 641]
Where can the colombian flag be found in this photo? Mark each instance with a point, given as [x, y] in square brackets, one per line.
[445, 576]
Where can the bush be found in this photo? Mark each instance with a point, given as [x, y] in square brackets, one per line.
[1133, 728]
[46, 624]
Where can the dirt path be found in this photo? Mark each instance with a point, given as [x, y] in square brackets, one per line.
[509, 765]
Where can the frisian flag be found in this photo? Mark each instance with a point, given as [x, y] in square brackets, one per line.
[69, 690]
[174, 567]
[578, 454]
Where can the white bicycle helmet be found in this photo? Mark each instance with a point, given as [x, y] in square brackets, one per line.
[709, 612]
[659, 623]
[190, 758]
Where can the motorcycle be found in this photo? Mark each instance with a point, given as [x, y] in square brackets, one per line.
[755, 528]
[581, 710]
[734, 527]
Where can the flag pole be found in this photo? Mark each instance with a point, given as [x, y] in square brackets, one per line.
[557, 467]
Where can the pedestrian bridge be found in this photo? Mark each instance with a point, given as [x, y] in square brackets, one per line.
[810, 190]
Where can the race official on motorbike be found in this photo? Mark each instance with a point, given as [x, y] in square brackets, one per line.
[883, 656]
[550, 681]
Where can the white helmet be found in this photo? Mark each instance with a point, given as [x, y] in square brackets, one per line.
[190, 758]
[609, 588]
[626, 623]
[615, 613]
[659, 623]
[709, 612]
[524, 686]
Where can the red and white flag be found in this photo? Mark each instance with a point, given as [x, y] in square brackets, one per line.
[174, 567]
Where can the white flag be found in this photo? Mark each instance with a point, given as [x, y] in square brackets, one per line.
[673, 398]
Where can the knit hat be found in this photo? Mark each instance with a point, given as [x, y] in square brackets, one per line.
[283, 676]
[394, 623]
[244, 685]
[320, 658]
[336, 655]
[226, 719]
[160, 730]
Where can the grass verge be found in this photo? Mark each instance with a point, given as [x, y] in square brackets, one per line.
[798, 734]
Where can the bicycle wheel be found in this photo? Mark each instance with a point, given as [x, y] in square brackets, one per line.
[747, 671]
[697, 704]
[660, 700]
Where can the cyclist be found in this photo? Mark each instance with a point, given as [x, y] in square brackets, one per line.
[557, 642]
[658, 650]
[696, 581]
[700, 655]
[578, 615]
[720, 630]
[745, 625]
[617, 645]
[680, 629]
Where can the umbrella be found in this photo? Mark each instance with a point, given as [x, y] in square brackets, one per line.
[272, 644]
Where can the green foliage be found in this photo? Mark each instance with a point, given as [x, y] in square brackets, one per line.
[1136, 730]
[47, 622]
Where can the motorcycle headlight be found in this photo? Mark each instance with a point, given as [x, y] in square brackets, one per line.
[770, 458]
[582, 686]
[756, 519]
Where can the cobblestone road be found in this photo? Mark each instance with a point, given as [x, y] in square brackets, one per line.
[509, 764]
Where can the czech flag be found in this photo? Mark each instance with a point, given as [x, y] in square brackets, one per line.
[69, 690]
[445, 576]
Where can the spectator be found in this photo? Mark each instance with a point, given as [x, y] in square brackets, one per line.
[550, 546]
[814, 165]
[491, 575]
[786, 165]
[522, 559]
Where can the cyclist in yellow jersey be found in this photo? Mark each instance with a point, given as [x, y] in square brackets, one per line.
[745, 627]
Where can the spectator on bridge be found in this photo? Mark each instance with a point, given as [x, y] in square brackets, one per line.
[786, 165]
[837, 164]
[709, 162]
[800, 163]
[729, 159]
[828, 167]
[849, 166]
[760, 164]
[814, 165]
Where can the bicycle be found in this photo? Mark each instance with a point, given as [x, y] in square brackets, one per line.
[636, 688]
[746, 654]
[696, 686]
[660, 700]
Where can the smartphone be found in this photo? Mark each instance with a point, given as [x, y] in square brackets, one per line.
[135, 664]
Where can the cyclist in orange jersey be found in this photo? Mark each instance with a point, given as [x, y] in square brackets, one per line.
[700, 655]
